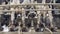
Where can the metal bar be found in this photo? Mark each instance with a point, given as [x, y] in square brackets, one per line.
[31, 9]
[54, 1]
[31, 4]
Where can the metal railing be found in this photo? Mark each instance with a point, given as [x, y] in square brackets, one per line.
[31, 4]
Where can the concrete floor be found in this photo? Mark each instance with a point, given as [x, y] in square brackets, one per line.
[29, 33]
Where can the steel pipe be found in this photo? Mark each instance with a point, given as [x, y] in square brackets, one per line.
[30, 10]
[31, 4]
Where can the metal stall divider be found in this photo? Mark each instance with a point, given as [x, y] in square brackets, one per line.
[23, 13]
